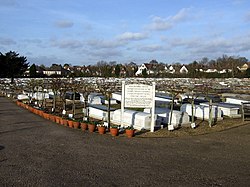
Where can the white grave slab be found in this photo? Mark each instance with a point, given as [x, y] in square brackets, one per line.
[202, 112]
[163, 116]
[112, 101]
[228, 109]
[139, 120]
[100, 112]
[237, 101]
[95, 99]
[22, 97]
[117, 96]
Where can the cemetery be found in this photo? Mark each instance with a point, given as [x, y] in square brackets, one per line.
[140, 104]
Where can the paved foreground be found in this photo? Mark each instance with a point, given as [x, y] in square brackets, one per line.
[36, 152]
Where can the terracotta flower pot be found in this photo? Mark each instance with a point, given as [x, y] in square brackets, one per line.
[114, 131]
[52, 118]
[101, 129]
[18, 103]
[40, 113]
[31, 109]
[91, 127]
[70, 122]
[61, 121]
[65, 122]
[45, 115]
[35, 111]
[26, 106]
[76, 124]
[21, 104]
[84, 126]
[130, 133]
[57, 119]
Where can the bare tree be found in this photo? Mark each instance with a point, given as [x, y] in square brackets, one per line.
[56, 85]
[107, 88]
[86, 88]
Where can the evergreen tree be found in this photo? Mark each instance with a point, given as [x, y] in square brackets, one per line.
[117, 70]
[248, 73]
[33, 73]
[12, 65]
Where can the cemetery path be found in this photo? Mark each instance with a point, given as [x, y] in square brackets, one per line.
[36, 152]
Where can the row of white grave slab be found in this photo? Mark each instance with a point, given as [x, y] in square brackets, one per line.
[202, 112]
[228, 109]
[236, 101]
[179, 118]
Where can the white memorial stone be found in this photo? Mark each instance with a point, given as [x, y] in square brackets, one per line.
[139, 120]
[163, 116]
[22, 97]
[99, 112]
[228, 109]
[202, 112]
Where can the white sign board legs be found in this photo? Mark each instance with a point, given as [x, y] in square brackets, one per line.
[122, 103]
[153, 109]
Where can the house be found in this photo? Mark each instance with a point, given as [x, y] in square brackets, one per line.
[148, 67]
[39, 71]
[184, 70]
[244, 67]
[55, 70]
[170, 69]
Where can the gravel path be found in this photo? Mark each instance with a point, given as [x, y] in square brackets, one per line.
[37, 152]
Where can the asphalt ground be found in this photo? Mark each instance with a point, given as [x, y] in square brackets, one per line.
[37, 152]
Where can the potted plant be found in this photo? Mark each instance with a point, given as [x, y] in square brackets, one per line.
[114, 130]
[57, 119]
[61, 121]
[101, 128]
[91, 126]
[52, 117]
[130, 131]
[76, 124]
[65, 121]
[70, 123]
[45, 115]
[84, 125]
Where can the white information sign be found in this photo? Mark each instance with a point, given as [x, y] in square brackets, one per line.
[138, 96]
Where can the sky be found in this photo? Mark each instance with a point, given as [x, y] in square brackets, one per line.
[83, 32]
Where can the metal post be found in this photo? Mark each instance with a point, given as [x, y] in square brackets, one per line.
[210, 113]
[243, 113]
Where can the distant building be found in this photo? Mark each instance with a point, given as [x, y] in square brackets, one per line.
[184, 70]
[148, 67]
[39, 71]
[55, 70]
[244, 67]
[171, 69]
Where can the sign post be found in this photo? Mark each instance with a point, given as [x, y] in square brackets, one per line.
[122, 102]
[138, 96]
[153, 109]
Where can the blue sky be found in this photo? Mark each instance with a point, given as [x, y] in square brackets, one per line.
[83, 32]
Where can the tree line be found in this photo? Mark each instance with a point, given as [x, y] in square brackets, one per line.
[13, 65]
